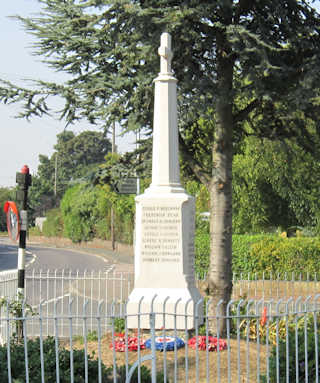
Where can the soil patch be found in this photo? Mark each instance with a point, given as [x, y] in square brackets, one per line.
[252, 361]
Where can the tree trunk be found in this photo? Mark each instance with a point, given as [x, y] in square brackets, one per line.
[220, 273]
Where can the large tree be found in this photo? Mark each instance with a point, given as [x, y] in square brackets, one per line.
[236, 61]
[75, 157]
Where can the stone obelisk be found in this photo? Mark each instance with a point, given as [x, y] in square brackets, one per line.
[165, 218]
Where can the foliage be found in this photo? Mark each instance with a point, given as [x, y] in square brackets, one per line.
[92, 336]
[244, 68]
[299, 255]
[49, 353]
[85, 211]
[202, 251]
[41, 193]
[53, 225]
[200, 192]
[115, 168]
[106, 83]
[265, 253]
[119, 325]
[17, 308]
[302, 337]
[145, 375]
[274, 185]
[75, 156]
[79, 212]
[35, 231]
[242, 251]
[268, 327]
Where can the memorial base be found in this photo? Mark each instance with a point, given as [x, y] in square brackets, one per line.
[164, 260]
[174, 308]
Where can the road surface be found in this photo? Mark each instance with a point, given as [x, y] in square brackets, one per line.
[55, 276]
[44, 258]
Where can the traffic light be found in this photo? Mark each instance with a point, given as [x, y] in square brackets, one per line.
[24, 180]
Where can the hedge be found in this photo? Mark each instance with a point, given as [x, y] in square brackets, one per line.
[18, 368]
[265, 253]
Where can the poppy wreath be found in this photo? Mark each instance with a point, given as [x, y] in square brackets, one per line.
[120, 343]
[212, 343]
[166, 343]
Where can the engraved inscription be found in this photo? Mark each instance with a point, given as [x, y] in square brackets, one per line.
[191, 253]
[161, 240]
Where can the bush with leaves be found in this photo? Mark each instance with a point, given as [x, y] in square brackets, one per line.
[18, 370]
[264, 253]
[53, 225]
[16, 308]
[303, 337]
[145, 376]
[80, 212]
[242, 260]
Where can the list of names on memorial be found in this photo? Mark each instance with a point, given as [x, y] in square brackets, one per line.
[161, 236]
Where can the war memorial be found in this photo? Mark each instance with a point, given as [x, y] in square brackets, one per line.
[165, 219]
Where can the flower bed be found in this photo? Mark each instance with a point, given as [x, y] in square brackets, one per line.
[120, 343]
[213, 343]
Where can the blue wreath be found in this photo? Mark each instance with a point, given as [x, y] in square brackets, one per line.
[169, 345]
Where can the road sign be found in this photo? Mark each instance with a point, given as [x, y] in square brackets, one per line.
[127, 186]
[13, 222]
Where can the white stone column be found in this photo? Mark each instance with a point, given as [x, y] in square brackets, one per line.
[165, 217]
[165, 155]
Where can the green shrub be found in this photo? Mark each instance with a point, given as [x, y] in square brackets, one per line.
[241, 257]
[202, 251]
[243, 260]
[80, 212]
[145, 375]
[53, 225]
[119, 324]
[35, 231]
[102, 228]
[264, 253]
[86, 212]
[298, 255]
[18, 363]
[301, 346]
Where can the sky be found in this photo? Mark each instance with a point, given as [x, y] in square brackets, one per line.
[21, 141]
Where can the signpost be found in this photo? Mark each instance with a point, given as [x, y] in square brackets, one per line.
[23, 180]
[127, 186]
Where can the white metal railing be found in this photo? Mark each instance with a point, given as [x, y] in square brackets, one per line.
[58, 286]
[55, 288]
[8, 283]
[268, 285]
[258, 344]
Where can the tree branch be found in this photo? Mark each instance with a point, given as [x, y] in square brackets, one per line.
[243, 114]
[242, 7]
[197, 169]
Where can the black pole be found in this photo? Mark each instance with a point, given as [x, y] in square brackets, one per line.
[24, 181]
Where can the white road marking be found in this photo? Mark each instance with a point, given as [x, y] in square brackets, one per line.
[52, 300]
[32, 260]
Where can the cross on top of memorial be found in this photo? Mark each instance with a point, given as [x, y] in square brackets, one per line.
[165, 157]
[165, 53]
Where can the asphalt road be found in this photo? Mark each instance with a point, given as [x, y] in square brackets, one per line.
[56, 275]
[39, 257]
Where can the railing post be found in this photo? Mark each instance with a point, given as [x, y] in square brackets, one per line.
[153, 347]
